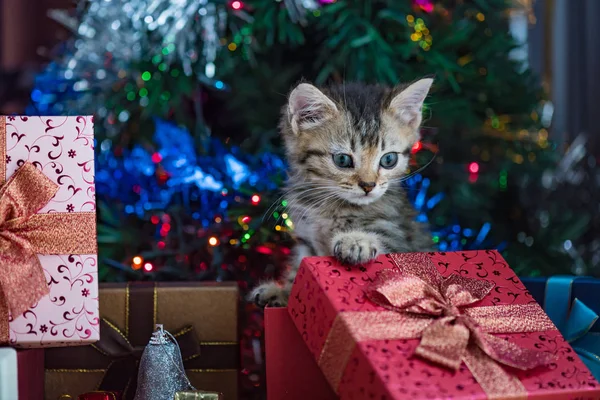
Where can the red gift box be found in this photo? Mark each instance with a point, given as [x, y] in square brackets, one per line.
[436, 325]
[292, 373]
[21, 374]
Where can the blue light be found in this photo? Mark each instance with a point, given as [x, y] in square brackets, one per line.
[422, 217]
[36, 95]
[485, 229]
[237, 170]
[456, 229]
[434, 200]
[219, 85]
[467, 232]
[223, 204]
[420, 200]
[129, 209]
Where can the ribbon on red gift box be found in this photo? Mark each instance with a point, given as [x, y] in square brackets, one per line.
[421, 303]
[24, 234]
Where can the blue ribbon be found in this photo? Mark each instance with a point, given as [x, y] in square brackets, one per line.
[574, 322]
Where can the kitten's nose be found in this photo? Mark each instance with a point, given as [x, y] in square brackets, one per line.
[366, 186]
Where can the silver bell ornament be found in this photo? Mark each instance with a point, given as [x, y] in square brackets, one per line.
[161, 373]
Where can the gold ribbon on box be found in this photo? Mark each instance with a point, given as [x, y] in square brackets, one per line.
[24, 234]
[441, 312]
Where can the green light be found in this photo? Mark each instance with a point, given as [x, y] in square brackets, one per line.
[165, 96]
[143, 92]
[131, 96]
[464, 241]
[503, 180]
[288, 222]
[162, 67]
[275, 214]
[436, 239]
[247, 236]
[165, 51]
[146, 76]
[174, 73]
[171, 47]
[317, 13]
[284, 203]
[495, 123]
[156, 59]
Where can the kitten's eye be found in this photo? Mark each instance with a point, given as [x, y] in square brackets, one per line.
[343, 160]
[389, 160]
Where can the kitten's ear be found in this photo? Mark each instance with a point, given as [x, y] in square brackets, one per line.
[308, 107]
[407, 104]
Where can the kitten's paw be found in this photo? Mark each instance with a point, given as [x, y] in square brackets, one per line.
[356, 247]
[269, 294]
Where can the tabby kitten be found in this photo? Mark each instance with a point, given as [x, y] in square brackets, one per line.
[348, 147]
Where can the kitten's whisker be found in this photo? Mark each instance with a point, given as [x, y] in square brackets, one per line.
[401, 179]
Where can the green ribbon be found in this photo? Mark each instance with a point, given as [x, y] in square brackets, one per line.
[574, 320]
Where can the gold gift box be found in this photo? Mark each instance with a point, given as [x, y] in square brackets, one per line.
[202, 316]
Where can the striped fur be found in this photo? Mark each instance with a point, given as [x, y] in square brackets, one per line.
[332, 213]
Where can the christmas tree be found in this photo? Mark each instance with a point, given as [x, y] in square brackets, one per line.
[187, 96]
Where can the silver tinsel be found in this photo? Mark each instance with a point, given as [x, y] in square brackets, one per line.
[111, 36]
[161, 372]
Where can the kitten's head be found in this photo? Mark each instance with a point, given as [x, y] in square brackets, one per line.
[352, 140]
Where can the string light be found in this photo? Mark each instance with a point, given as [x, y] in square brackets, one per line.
[473, 167]
[213, 241]
[156, 158]
[237, 5]
[417, 146]
[148, 267]
[137, 262]
[255, 199]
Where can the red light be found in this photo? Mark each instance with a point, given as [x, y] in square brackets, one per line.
[416, 147]
[264, 250]
[237, 5]
[246, 219]
[148, 267]
[166, 227]
[474, 168]
[154, 219]
[161, 245]
[156, 158]
[255, 199]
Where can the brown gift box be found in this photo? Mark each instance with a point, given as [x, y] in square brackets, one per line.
[202, 316]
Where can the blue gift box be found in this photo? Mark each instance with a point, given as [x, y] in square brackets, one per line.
[573, 304]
